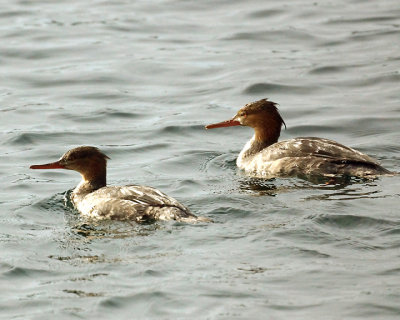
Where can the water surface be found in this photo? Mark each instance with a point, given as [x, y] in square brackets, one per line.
[140, 79]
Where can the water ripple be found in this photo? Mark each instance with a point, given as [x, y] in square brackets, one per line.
[139, 79]
[347, 221]
[270, 88]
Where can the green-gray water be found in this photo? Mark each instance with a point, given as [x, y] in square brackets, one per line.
[140, 79]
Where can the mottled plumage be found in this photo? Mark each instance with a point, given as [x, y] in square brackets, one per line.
[307, 156]
[138, 203]
[93, 199]
[264, 156]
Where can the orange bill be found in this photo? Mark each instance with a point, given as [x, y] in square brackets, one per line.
[228, 123]
[53, 165]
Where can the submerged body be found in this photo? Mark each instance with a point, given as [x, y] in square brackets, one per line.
[93, 199]
[264, 156]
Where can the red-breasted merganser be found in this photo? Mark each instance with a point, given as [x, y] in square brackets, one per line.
[92, 198]
[264, 156]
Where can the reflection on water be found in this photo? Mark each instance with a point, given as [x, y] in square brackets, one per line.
[262, 187]
[93, 229]
[81, 293]
[85, 259]
[344, 188]
[347, 193]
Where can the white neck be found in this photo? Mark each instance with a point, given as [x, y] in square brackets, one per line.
[251, 148]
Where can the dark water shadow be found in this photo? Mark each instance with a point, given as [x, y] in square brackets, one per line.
[338, 188]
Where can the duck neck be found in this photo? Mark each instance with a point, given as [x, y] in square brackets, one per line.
[91, 181]
[267, 135]
[252, 147]
[262, 139]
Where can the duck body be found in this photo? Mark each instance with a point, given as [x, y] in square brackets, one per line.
[133, 202]
[264, 156]
[307, 156]
[94, 199]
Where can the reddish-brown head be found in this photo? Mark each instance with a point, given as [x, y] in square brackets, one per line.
[88, 161]
[262, 115]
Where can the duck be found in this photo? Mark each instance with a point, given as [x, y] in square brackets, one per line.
[264, 156]
[94, 199]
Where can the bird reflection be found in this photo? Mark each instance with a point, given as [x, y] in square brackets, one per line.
[343, 188]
